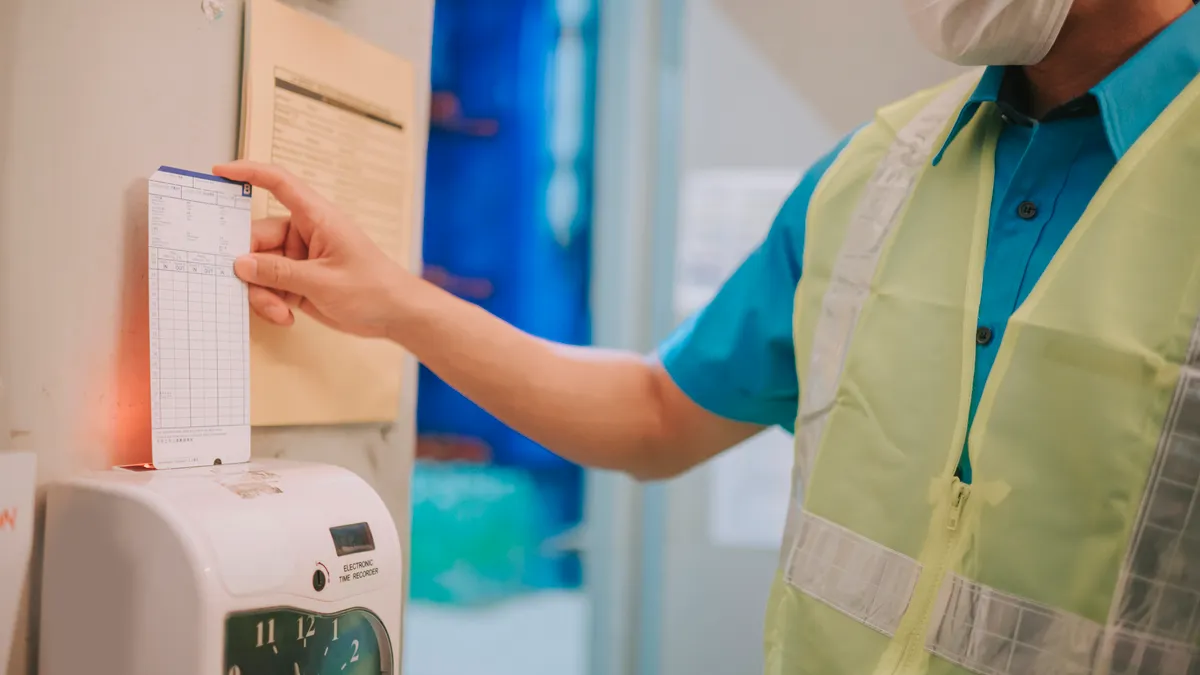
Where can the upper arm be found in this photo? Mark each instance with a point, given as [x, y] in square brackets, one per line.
[735, 358]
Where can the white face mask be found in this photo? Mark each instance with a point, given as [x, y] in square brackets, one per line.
[988, 32]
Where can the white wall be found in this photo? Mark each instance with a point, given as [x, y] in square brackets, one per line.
[767, 84]
[842, 59]
[93, 97]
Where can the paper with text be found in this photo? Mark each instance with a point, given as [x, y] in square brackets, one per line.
[339, 113]
[750, 491]
[725, 214]
[199, 320]
[18, 480]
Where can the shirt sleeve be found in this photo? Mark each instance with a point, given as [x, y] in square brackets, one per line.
[735, 358]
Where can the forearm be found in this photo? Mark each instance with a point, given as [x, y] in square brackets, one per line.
[595, 407]
[605, 409]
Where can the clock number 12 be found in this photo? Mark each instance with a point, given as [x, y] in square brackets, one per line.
[312, 629]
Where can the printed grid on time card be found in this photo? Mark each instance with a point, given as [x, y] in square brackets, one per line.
[199, 320]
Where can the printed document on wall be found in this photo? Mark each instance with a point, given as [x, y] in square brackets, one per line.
[750, 490]
[18, 479]
[725, 214]
[338, 112]
[199, 320]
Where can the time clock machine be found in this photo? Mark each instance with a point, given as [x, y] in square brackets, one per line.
[266, 568]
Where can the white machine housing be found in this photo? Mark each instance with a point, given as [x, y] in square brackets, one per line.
[142, 568]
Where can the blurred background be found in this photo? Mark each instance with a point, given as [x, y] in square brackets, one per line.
[595, 169]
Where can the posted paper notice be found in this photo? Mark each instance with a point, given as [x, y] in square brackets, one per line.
[18, 477]
[750, 492]
[726, 214]
[199, 320]
[341, 114]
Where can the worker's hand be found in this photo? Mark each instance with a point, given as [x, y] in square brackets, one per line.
[315, 259]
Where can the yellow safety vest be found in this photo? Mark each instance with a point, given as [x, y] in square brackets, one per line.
[1076, 549]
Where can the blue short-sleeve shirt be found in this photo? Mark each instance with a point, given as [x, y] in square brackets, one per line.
[736, 357]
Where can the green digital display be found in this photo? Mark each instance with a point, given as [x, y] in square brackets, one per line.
[287, 641]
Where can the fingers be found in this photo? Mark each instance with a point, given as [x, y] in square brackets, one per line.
[270, 306]
[274, 272]
[289, 190]
[269, 234]
[311, 310]
[275, 235]
[294, 245]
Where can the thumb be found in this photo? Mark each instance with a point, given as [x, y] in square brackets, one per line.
[273, 271]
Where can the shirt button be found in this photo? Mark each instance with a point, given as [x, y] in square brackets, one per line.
[1027, 210]
[983, 336]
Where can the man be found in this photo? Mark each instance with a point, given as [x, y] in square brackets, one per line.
[992, 296]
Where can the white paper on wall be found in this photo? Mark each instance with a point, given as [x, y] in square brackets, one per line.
[750, 489]
[18, 478]
[725, 214]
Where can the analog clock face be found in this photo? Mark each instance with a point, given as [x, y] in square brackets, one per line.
[293, 642]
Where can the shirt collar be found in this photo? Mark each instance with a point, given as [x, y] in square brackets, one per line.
[1131, 97]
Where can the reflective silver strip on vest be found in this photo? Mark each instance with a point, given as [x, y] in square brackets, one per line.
[1160, 592]
[994, 633]
[1154, 625]
[987, 631]
[851, 573]
[873, 220]
[1155, 622]
[808, 546]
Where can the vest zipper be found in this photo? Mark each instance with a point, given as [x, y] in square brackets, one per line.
[913, 651]
[958, 500]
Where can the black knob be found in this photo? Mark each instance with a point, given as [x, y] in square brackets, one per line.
[319, 581]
